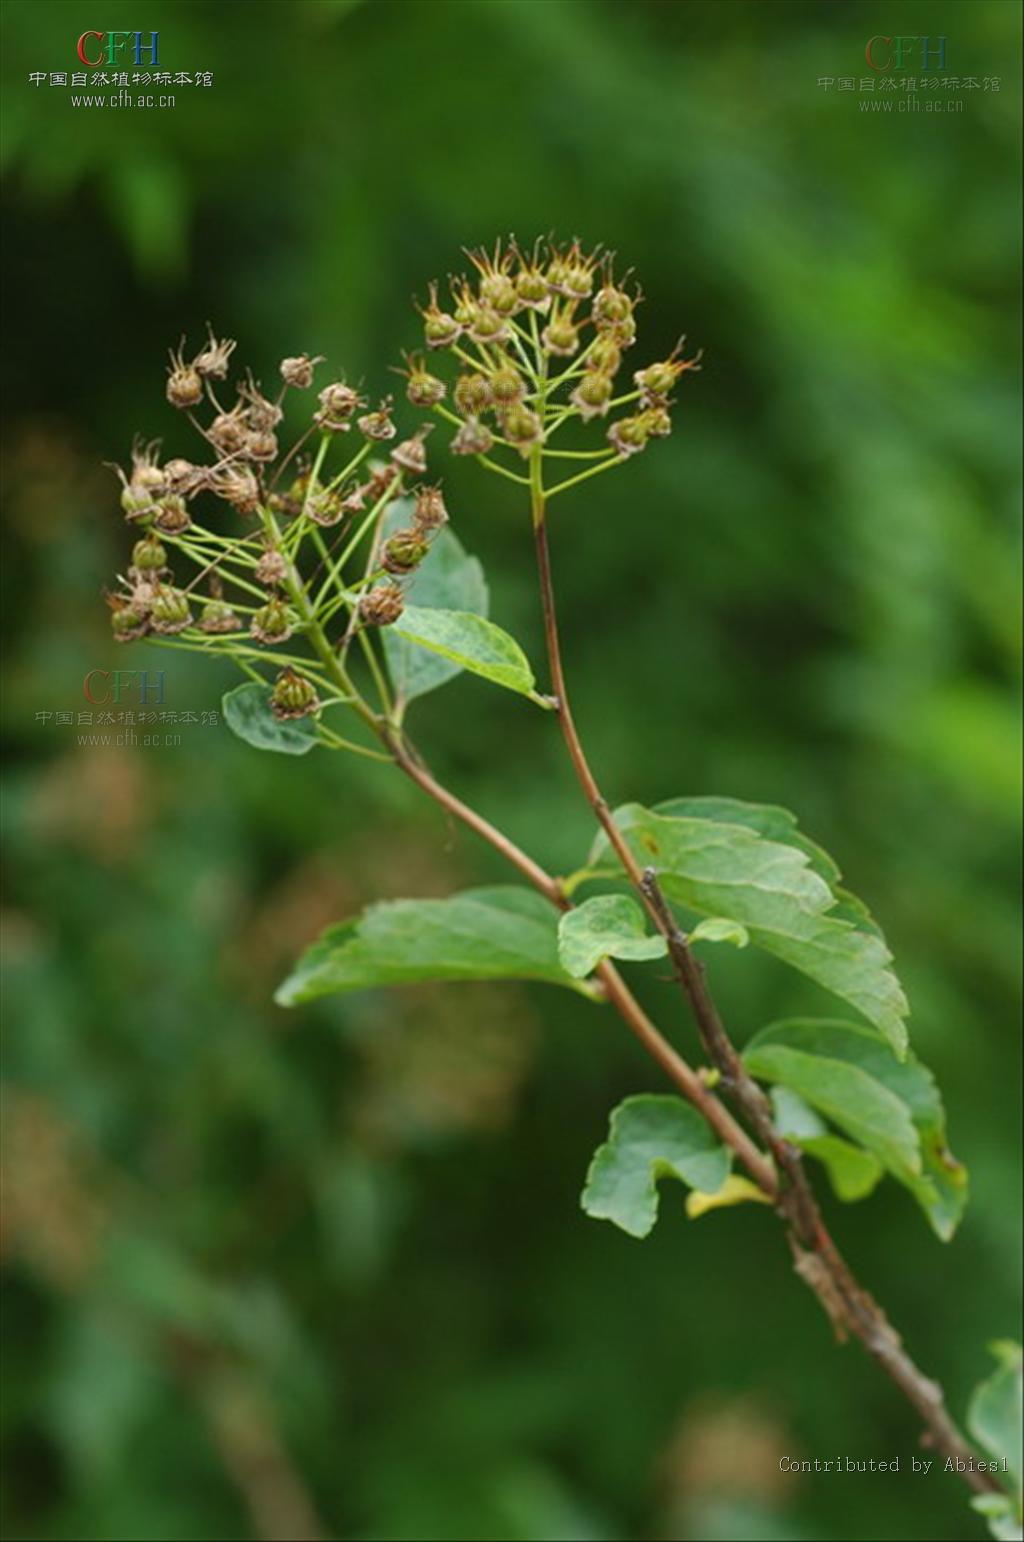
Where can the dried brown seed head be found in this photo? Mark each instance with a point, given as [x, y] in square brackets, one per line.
[382, 605]
[184, 382]
[298, 371]
[271, 569]
[473, 438]
[212, 360]
[411, 454]
[218, 617]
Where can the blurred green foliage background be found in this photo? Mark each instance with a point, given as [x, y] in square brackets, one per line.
[324, 1273]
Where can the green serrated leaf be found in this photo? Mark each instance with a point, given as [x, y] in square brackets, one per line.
[768, 819]
[607, 926]
[847, 1072]
[469, 642]
[649, 1138]
[852, 1172]
[484, 934]
[448, 579]
[731, 870]
[247, 713]
[994, 1414]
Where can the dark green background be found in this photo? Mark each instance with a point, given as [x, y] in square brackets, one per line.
[261, 1264]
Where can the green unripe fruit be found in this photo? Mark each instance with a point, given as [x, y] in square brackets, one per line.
[293, 696]
[170, 611]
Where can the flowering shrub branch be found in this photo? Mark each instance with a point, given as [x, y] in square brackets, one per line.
[342, 595]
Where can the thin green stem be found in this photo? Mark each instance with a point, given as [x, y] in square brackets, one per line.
[335, 669]
[492, 465]
[336, 742]
[563, 487]
[392, 491]
[576, 368]
[379, 680]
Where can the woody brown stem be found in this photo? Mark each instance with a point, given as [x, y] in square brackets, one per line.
[616, 990]
[817, 1260]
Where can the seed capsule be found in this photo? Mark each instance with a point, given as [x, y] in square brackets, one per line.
[657, 380]
[184, 478]
[522, 427]
[184, 382]
[430, 513]
[411, 454]
[138, 503]
[127, 622]
[531, 284]
[237, 486]
[593, 395]
[440, 329]
[261, 414]
[657, 421]
[170, 611]
[404, 551]
[271, 569]
[499, 293]
[271, 623]
[212, 361]
[293, 696]
[337, 404]
[611, 306]
[473, 438]
[605, 354]
[298, 371]
[382, 605]
[507, 386]
[382, 474]
[261, 445]
[229, 431]
[629, 435]
[561, 336]
[487, 326]
[148, 556]
[424, 389]
[171, 515]
[326, 507]
[378, 425]
[217, 617]
[472, 395]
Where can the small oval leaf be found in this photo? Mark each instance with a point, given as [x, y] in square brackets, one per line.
[607, 926]
[650, 1137]
[470, 642]
[247, 713]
